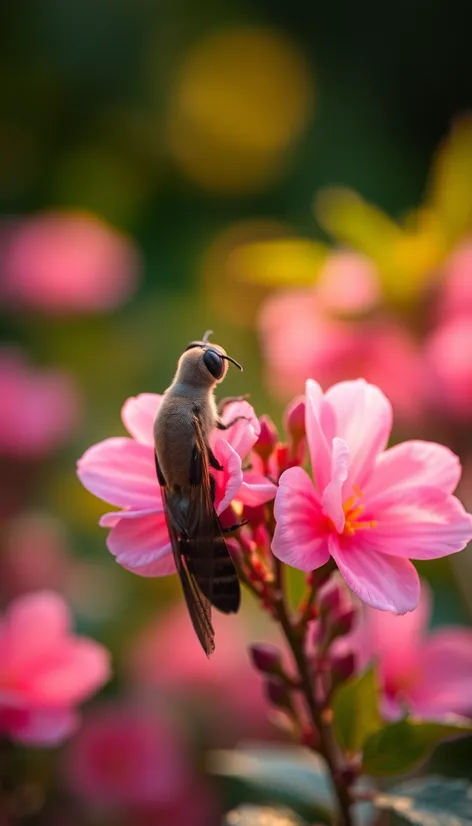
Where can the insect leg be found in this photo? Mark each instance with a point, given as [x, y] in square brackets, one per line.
[235, 527]
[229, 399]
[222, 426]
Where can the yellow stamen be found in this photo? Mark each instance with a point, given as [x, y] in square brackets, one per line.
[352, 510]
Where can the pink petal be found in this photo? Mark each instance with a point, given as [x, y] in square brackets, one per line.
[363, 418]
[76, 670]
[138, 414]
[242, 435]
[40, 727]
[418, 523]
[300, 537]
[137, 541]
[385, 582]
[256, 489]
[332, 495]
[122, 472]
[415, 463]
[446, 670]
[160, 567]
[109, 520]
[319, 445]
[229, 480]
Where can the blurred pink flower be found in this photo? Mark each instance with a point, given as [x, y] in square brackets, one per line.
[122, 471]
[45, 671]
[22, 570]
[126, 756]
[299, 339]
[66, 263]
[348, 284]
[39, 406]
[229, 694]
[429, 673]
[371, 510]
[449, 360]
[455, 298]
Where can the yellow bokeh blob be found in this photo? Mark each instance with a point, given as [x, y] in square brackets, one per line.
[241, 98]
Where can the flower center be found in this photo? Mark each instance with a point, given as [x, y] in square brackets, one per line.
[352, 511]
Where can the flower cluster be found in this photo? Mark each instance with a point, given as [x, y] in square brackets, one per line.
[122, 471]
[368, 509]
[45, 671]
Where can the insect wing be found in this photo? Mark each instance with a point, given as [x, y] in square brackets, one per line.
[206, 552]
[198, 605]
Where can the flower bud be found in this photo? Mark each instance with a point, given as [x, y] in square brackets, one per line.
[320, 576]
[294, 419]
[267, 438]
[343, 665]
[316, 633]
[278, 693]
[266, 658]
[332, 597]
[343, 623]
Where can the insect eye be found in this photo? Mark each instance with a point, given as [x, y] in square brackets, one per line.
[214, 363]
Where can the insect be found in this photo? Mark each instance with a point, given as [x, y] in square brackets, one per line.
[186, 418]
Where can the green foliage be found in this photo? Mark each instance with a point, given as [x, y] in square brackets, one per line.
[430, 801]
[399, 747]
[356, 714]
[287, 775]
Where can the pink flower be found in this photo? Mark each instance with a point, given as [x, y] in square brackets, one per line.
[126, 756]
[428, 673]
[299, 338]
[122, 471]
[45, 671]
[369, 509]
[66, 263]
[348, 283]
[456, 289]
[39, 406]
[228, 712]
[448, 357]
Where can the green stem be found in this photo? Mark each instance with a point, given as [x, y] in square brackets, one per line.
[327, 746]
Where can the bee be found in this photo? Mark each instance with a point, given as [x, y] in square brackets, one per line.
[184, 423]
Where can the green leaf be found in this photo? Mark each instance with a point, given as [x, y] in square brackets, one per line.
[430, 801]
[246, 815]
[285, 774]
[399, 747]
[355, 708]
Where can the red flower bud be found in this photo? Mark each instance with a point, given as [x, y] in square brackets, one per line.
[321, 575]
[332, 597]
[266, 658]
[267, 438]
[294, 419]
[343, 665]
[343, 623]
[278, 693]
[281, 457]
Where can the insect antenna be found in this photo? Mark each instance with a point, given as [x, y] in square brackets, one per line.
[233, 361]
